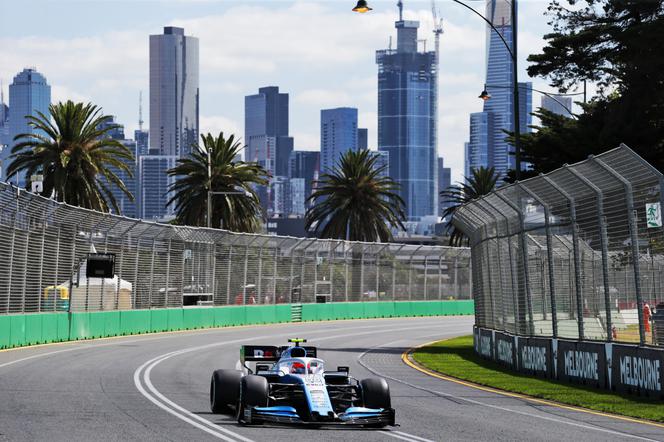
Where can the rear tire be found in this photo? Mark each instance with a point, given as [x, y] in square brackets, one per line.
[376, 393]
[224, 390]
[254, 392]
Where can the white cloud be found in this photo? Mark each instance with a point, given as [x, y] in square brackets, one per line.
[216, 123]
[323, 98]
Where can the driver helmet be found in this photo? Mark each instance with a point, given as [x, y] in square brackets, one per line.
[297, 368]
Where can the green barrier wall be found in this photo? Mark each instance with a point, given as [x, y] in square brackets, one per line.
[44, 328]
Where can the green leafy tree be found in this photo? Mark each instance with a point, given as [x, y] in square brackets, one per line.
[239, 212]
[617, 45]
[75, 155]
[482, 181]
[355, 202]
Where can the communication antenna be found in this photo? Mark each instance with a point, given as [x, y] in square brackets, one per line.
[390, 45]
[140, 111]
[400, 6]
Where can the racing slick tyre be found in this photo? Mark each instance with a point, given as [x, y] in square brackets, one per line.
[375, 393]
[224, 390]
[254, 392]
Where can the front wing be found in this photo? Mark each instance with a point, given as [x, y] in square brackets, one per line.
[352, 416]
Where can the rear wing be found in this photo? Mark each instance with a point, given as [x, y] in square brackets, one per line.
[311, 352]
[262, 353]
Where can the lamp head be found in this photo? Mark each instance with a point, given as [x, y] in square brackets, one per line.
[362, 7]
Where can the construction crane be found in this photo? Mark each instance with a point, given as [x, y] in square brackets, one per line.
[437, 27]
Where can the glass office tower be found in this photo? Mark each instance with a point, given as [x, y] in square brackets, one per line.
[338, 134]
[153, 187]
[267, 139]
[407, 114]
[557, 104]
[29, 94]
[174, 121]
[266, 130]
[305, 165]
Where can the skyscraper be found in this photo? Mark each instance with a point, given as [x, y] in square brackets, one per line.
[29, 94]
[305, 165]
[557, 107]
[174, 122]
[338, 134]
[266, 136]
[266, 130]
[153, 186]
[4, 119]
[362, 138]
[444, 182]
[407, 114]
[126, 206]
[487, 146]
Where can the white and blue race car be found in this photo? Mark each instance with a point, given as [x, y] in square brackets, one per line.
[290, 385]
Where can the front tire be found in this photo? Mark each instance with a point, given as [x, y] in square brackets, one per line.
[254, 392]
[224, 390]
[376, 393]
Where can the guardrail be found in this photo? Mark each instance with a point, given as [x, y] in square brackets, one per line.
[41, 328]
[43, 246]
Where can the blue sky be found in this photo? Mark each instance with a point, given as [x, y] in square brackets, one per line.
[321, 53]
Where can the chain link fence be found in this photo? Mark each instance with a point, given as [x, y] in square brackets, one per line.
[44, 246]
[576, 253]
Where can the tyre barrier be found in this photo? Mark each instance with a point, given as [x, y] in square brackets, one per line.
[623, 368]
[17, 330]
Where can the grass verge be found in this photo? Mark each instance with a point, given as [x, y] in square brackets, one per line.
[456, 358]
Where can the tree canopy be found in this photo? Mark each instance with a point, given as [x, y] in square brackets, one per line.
[617, 45]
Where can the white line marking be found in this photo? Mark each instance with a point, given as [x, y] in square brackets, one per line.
[176, 414]
[185, 414]
[497, 407]
[412, 436]
[393, 434]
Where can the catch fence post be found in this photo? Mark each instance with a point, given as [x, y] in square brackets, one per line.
[604, 244]
[632, 219]
[549, 251]
[524, 253]
[575, 251]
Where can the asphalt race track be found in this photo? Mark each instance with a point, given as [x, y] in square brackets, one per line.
[155, 387]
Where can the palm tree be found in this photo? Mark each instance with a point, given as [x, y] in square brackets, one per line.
[239, 212]
[75, 155]
[482, 182]
[355, 202]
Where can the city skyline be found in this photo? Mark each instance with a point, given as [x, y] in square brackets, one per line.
[486, 146]
[226, 79]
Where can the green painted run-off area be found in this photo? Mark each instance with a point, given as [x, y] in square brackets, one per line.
[43, 328]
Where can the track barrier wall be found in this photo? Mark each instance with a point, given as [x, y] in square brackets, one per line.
[18, 330]
[623, 368]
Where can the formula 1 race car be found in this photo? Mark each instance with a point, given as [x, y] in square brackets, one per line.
[290, 385]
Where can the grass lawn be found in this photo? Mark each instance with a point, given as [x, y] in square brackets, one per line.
[456, 358]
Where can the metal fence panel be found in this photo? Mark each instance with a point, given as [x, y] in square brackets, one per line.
[576, 253]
